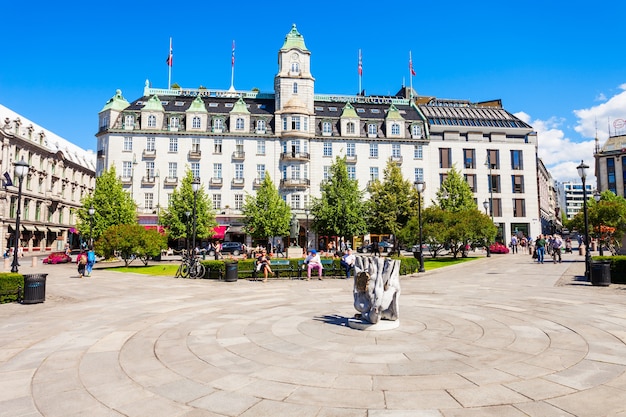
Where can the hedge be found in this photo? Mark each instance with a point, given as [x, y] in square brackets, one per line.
[618, 267]
[9, 283]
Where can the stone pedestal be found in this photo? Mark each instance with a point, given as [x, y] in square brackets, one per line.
[294, 252]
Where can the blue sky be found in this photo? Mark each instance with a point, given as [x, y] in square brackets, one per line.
[558, 65]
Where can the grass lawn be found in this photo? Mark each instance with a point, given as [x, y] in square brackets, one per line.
[170, 269]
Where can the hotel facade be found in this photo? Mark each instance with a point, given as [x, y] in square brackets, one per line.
[231, 139]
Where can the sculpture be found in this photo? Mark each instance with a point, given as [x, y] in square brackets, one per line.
[294, 231]
[376, 288]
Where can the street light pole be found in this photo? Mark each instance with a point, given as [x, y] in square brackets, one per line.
[486, 206]
[597, 196]
[188, 217]
[306, 212]
[582, 172]
[21, 169]
[91, 212]
[420, 186]
[195, 186]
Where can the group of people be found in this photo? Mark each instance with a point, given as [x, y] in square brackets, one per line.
[85, 262]
[551, 245]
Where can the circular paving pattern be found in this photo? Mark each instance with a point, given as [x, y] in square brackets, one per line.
[492, 337]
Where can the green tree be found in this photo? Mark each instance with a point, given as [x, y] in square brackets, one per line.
[455, 194]
[266, 214]
[181, 202]
[130, 241]
[392, 203]
[609, 212]
[340, 210]
[112, 205]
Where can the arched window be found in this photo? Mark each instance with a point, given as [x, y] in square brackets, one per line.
[350, 127]
[327, 128]
[239, 124]
[395, 129]
[260, 125]
[129, 121]
[174, 122]
[295, 67]
[195, 123]
[152, 120]
[372, 129]
[218, 124]
[416, 131]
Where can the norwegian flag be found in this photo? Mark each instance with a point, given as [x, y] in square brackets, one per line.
[170, 57]
[360, 63]
[411, 66]
[232, 60]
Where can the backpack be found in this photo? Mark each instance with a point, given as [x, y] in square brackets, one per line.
[83, 260]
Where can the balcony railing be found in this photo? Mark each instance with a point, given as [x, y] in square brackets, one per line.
[239, 156]
[149, 153]
[295, 156]
[351, 159]
[215, 181]
[397, 160]
[194, 154]
[238, 182]
[295, 183]
[126, 180]
[148, 180]
[170, 181]
[256, 183]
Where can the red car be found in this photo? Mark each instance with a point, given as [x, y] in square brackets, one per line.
[57, 258]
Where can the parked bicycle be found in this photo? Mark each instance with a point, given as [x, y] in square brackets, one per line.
[190, 267]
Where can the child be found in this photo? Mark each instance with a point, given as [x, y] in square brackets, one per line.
[81, 261]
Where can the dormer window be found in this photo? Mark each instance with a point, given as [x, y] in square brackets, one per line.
[218, 124]
[395, 129]
[327, 128]
[372, 129]
[195, 123]
[152, 120]
[239, 124]
[174, 122]
[260, 126]
[416, 131]
[350, 127]
[129, 121]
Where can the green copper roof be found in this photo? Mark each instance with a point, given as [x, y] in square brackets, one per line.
[294, 40]
[393, 113]
[349, 112]
[154, 103]
[240, 107]
[117, 102]
[197, 106]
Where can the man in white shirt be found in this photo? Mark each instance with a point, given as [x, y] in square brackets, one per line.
[347, 262]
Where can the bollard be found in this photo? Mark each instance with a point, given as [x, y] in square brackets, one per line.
[34, 261]
[7, 264]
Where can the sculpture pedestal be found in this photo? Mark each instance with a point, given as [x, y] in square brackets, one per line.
[294, 252]
[365, 325]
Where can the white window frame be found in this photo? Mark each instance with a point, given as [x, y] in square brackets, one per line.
[128, 143]
[373, 150]
[173, 145]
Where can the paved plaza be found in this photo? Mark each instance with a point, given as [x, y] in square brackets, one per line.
[499, 336]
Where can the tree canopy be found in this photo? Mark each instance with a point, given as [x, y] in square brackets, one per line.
[340, 211]
[174, 217]
[112, 205]
[455, 194]
[266, 214]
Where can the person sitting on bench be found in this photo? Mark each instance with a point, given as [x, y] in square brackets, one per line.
[313, 261]
[347, 261]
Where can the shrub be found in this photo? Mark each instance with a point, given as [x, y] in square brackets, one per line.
[9, 283]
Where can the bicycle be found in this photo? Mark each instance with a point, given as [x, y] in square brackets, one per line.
[190, 267]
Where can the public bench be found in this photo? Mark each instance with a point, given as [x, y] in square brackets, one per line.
[330, 269]
[281, 265]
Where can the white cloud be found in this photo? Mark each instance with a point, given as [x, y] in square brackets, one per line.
[603, 117]
[560, 154]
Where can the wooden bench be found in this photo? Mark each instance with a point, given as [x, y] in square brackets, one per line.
[281, 265]
[328, 270]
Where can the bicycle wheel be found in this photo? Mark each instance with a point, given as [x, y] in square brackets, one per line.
[197, 270]
[184, 270]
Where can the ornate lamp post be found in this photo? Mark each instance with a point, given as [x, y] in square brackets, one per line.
[306, 212]
[420, 186]
[582, 172]
[486, 206]
[597, 196]
[21, 169]
[195, 186]
[91, 212]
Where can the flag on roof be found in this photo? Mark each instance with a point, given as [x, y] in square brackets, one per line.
[170, 57]
[232, 60]
[411, 65]
[360, 63]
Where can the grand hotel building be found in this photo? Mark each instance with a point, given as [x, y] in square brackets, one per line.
[231, 139]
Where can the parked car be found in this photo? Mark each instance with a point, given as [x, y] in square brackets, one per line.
[57, 258]
[384, 247]
[234, 248]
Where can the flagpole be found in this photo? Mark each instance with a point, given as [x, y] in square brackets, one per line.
[360, 72]
[411, 75]
[169, 67]
[232, 70]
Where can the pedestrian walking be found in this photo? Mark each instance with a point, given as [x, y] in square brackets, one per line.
[540, 243]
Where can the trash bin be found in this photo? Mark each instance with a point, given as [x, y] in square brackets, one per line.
[601, 273]
[231, 271]
[34, 288]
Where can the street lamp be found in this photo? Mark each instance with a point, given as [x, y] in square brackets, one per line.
[582, 172]
[195, 186]
[91, 212]
[420, 186]
[486, 206]
[597, 196]
[21, 169]
[188, 217]
[306, 212]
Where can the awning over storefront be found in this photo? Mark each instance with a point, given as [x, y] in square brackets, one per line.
[219, 232]
[28, 228]
[54, 230]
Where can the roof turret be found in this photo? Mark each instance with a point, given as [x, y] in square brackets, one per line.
[294, 40]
